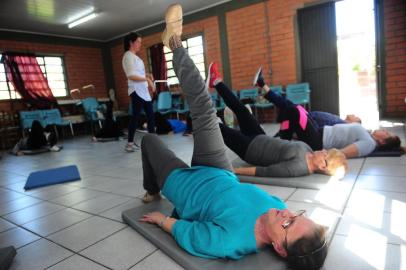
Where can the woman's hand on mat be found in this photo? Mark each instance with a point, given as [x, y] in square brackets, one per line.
[153, 217]
[245, 170]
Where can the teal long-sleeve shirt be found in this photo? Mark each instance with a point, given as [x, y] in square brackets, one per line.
[217, 212]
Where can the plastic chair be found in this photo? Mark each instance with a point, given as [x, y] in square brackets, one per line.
[265, 104]
[214, 99]
[53, 117]
[27, 117]
[165, 103]
[183, 108]
[250, 95]
[299, 93]
[91, 106]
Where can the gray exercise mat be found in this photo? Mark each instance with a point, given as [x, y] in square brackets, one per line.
[313, 181]
[266, 259]
[37, 151]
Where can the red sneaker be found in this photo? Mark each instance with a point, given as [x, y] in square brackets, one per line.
[212, 75]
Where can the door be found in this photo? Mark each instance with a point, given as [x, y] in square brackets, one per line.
[318, 55]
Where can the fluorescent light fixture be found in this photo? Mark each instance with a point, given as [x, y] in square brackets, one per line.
[82, 20]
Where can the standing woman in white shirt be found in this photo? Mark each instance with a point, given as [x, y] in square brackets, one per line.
[138, 83]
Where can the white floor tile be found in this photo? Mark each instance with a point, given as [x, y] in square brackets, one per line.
[56, 221]
[86, 233]
[158, 260]
[17, 237]
[121, 250]
[363, 252]
[39, 255]
[77, 262]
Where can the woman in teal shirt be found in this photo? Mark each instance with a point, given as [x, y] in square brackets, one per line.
[218, 217]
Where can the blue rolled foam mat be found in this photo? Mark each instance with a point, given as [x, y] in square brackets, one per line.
[52, 176]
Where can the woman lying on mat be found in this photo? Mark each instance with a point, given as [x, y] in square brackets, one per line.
[271, 156]
[282, 103]
[38, 138]
[351, 139]
[111, 130]
[218, 217]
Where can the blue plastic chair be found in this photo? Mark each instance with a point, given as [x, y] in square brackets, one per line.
[266, 104]
[182, 109]
[165, 103]
[214, 99]
[27, 117]
[53, 117]
[299, 93]
[250, 95]
[90, 107]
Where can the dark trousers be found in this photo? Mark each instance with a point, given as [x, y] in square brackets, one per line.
[208, 145]
[289, 114]
[157, 163]
[238, 140]
[138, 104]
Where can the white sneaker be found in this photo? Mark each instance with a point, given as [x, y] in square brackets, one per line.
[131, 147]
[173, 20]
[147, 198]
[55, 148]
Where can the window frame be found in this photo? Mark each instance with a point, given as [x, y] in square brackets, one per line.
[43, 55]
[184, 38]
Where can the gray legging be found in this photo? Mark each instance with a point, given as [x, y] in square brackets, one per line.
[209, 149]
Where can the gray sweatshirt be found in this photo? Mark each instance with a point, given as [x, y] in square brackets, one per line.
[276, 157]
[342, 135]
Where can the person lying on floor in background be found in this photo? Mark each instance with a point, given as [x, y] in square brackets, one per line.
[163, 125]
[321, 118]
[37, 138]
[270, 156]
[217, 216]
[111, 128]
[351, 139]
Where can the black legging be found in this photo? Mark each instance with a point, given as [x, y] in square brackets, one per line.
[36, 138]
[311, 134]
[238, 140]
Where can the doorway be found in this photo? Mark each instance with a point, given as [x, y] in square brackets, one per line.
[356, 50]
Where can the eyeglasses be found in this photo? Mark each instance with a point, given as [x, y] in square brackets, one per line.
[287, 223]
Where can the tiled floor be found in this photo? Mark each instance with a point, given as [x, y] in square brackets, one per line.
[78, 225]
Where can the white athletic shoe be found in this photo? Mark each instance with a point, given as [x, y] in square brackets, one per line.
[131, 147]
[147, 198]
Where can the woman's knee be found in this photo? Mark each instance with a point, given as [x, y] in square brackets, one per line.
[149, 139]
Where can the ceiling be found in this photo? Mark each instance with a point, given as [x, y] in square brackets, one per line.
[115, 17]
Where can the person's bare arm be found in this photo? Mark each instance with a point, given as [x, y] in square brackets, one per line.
[166, 223]
[350, 151]
[245, 170]
[137, 78]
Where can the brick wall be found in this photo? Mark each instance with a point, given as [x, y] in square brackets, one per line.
[261, 34]
[395, 39]
[209, 28]
[248, 46]
[84, 66]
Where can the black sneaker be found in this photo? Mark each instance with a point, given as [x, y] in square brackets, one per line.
[259, 79]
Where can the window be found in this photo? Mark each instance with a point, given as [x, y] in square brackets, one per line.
[194, 46]
[53, 69]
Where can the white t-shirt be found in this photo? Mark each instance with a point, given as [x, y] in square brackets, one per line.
[342, 135]
[133, 65]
